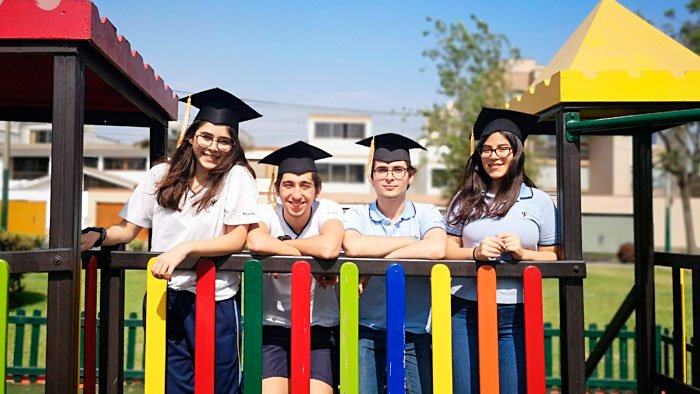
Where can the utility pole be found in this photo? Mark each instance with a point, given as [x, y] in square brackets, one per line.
[5, 177]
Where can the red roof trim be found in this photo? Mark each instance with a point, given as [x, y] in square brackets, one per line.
[80, 20]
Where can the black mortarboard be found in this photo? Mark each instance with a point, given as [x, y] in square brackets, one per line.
[491, 120]
[296, 158]
[221, 107]
[390, 147]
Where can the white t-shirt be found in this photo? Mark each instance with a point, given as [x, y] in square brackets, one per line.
[277, 293]
[236, 204]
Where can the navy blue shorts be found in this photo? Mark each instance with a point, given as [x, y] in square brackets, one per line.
[324, 353]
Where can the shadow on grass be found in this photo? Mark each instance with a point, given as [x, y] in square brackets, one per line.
[25, 298]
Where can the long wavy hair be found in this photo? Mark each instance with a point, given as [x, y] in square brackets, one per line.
[177, 180]
[470, 198]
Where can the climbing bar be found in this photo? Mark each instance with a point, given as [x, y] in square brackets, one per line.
[534, 330]
[156, 310]
[4, 282]
[670, 118]
[488, 329]
[300, 368]
[395, 329]
[440, 293]
[349, 332]
[252, 321]
[205, 328]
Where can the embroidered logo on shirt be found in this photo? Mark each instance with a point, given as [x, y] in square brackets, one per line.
[213, 201]
[524, 214]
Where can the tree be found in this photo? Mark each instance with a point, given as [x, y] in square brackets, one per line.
[471, 66]
[681, 159]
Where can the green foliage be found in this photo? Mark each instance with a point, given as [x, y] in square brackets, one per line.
[471, 67]
[12, 242]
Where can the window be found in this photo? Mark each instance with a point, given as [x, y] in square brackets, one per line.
[341, 173]
[438, 178]
[40, 136]
[29, 167]
[351, 131]
[90, 162]
[111, 163]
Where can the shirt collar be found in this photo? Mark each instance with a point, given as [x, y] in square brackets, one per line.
[409, 211]
[525, 193]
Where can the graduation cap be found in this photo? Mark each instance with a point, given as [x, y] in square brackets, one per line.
[491, 120]
[220, 107]
[389, 147]
[296, 158]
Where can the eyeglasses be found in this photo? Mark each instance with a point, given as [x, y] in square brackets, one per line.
[501, 152]
[398, 172]
[206, 141]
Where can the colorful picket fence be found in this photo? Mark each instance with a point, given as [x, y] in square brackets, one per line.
[300, 331]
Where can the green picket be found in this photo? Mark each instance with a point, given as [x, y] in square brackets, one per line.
[4, 282]
[252, 321]
[349, 312]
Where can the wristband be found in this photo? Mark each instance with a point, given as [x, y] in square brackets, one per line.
[101, 230]
[284, 237]
[474, 254]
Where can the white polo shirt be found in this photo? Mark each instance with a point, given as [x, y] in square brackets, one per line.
[235, 205]
[277, 293]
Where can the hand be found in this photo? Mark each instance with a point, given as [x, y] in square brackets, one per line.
[364, 281]
[167, 262]
[490, 248]
[88, 239]
[512, 245]
[324, 280]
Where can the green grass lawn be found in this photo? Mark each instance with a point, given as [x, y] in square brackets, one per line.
[604, 290]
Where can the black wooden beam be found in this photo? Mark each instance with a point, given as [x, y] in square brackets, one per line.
[111, 362]
[158, 142]
[573, 366]
[47, 260]
[63, 319]
[644, 265]
[369, 266]
[670, 385]
[611, 331]
[695, 360]
[108, 73]
[677, 260]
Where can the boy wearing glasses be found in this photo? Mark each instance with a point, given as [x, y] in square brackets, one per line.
[393, 227]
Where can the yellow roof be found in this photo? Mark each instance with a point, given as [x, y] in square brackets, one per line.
[615, 56]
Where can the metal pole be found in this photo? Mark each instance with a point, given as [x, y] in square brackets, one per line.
[5, 177]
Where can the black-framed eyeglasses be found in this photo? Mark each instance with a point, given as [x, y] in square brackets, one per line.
[501, 152]
[398, 172]
[206, 141]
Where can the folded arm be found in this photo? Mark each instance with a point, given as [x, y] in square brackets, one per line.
[357, 245]
[261, 242]
[325, 245]
[432, 246]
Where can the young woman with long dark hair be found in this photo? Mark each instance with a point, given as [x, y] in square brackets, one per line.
[497, 214]
[199, 203]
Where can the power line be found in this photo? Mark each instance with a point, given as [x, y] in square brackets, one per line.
[404, 112]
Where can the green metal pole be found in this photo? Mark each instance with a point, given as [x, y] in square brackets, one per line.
[651, 119]
[4, 282]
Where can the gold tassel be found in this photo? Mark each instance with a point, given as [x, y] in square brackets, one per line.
[185, 120]
[271, 198]
[471, 144]
[370, 159]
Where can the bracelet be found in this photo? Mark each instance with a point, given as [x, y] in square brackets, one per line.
[284, 237]
[474, 254]
[101, 230]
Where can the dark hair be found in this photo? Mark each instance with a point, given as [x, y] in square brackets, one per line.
[182, 166]
[470, 198]
[314, 175]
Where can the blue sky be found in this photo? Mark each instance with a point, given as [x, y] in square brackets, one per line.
[341, 54]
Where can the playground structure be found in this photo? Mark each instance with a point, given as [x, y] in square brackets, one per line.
[67, 66]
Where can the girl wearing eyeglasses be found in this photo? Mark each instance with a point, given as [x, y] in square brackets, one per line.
[497, 214]
[199, 203]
